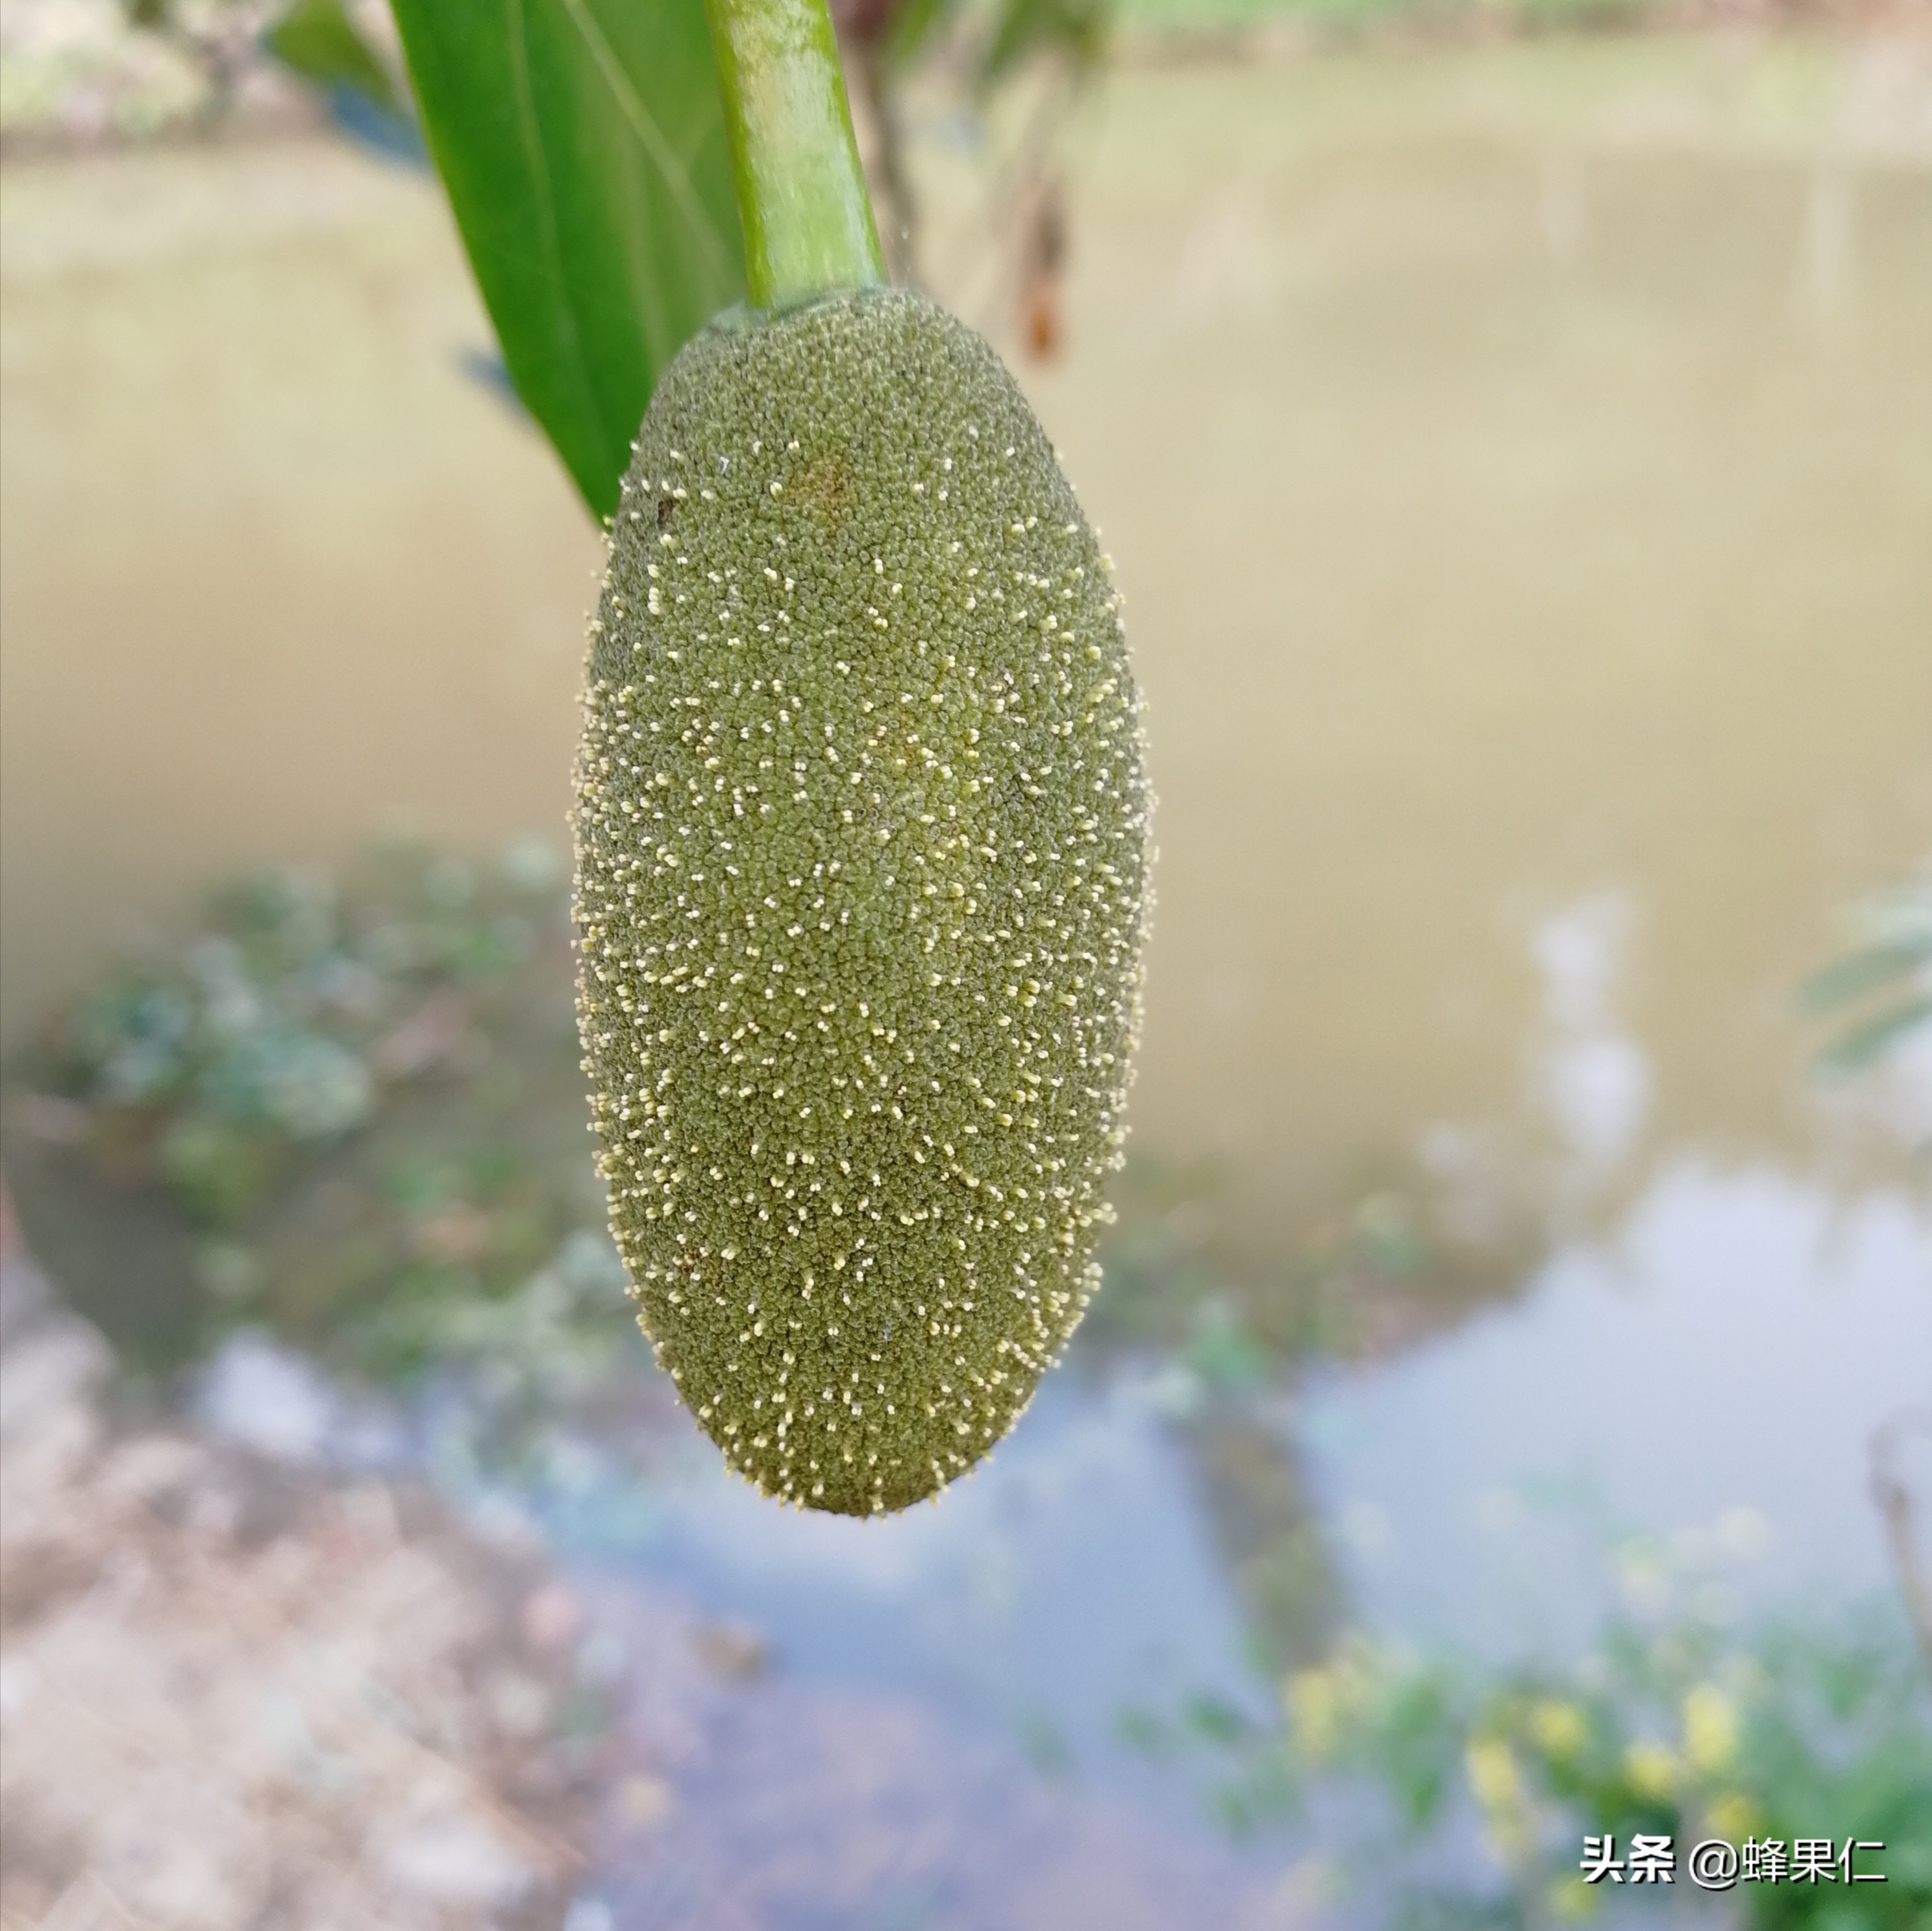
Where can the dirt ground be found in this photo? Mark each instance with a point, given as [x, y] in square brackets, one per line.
[235, 1695]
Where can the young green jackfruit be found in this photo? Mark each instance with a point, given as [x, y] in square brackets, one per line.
[861, 853]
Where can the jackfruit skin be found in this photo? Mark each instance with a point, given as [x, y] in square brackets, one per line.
[861, 847]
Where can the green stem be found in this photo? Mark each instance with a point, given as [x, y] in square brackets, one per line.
[808, 227]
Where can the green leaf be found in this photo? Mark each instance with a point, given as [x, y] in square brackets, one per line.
[1077, 31]
[582, 143]
[317, 40]
[1859, 973]
[1855, 1050]
[912, 25]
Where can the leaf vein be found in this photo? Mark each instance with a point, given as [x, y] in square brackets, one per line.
[643, 124]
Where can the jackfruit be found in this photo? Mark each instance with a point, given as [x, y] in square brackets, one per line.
[862, 848]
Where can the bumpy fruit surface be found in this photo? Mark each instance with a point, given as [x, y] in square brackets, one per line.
[862, 839]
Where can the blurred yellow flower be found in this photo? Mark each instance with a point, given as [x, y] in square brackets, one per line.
[1315, 1711]
[1497, 1781]
[1652, 1770]
[1494, 1777]
[1561, 1728]
[1710, 1728]
[1571, 1899]
[1735, 1816]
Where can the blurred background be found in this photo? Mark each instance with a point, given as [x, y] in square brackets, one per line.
[1509, 1413]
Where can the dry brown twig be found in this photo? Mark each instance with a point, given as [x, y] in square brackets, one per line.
[1893, 1494]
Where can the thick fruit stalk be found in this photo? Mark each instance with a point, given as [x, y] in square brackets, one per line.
[802, 204]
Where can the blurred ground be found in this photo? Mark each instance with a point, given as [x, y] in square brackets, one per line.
[232, 1695]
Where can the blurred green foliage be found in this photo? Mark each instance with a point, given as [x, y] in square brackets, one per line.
[1878, 990]
[988, 41]
[274, 1024]
[1672, 1725]
[317, 40]
[1329, 20]
[357, 1103]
